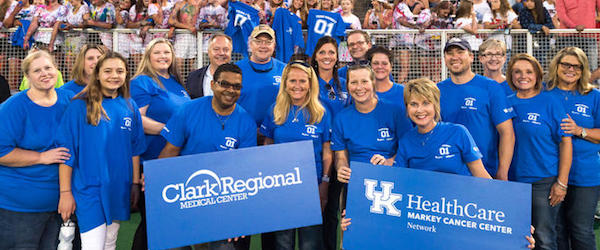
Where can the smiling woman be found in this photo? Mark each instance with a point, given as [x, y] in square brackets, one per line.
[28, 159]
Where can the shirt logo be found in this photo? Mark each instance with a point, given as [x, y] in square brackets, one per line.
[229, 143]
[582, 109]
[311, 130]
[444, 152]
[469, 103]
[126, 123]
[289, 30]
[533, 118]
[384, 134]
[382, 199]
[277, 80]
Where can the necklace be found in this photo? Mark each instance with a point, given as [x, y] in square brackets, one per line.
[296, 112]
[427, 136]
[222, 119]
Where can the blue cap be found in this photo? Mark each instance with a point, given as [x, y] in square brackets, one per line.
[458, 42]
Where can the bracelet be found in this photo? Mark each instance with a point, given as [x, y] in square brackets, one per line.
[65, 191]
[563, 186]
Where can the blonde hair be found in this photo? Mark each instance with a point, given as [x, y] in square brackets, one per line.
[26, 64]
[583, 84]
[92, 93]
[78, 73]
[145, 66]
[492, 44]
[311, 105]
[426, 89]
[534, 64]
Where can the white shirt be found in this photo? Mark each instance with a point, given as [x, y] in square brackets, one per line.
[208, 77]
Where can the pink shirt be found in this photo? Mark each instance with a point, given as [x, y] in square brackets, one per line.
[577, 12]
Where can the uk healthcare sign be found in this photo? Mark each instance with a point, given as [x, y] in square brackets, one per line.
[400, 208]
[214, 196]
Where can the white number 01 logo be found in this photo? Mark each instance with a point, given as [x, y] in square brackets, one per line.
[323, 28]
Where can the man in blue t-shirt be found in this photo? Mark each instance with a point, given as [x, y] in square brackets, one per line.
[479, 104]
[262, 73]
[212, 123]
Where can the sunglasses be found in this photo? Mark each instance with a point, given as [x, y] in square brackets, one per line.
[225, 84]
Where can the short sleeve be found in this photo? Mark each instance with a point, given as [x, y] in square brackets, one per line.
[142, 90]
[557, 113]
[138, 139]
[403, 124]
[401, 160]
[596, 108]
[340, 27]
[500, 110]
[468, 149]
[337, 135]
[487, 17]
[249, 136]
[9, 125]
[326, 121]
[68, 131]
[267, 127]
[174, 130]
[132, 13]
[512, 16]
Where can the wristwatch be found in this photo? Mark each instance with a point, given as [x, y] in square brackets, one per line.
[325, 178]
[583, 133]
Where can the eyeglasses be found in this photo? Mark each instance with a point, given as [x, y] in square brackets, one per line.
[359, 63]
[565, 65]
[359, 43]
[493, 55]
[225, 84]
[263, 42]
[330, 91]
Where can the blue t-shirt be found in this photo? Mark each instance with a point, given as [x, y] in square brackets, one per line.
[585, 110]
[197, 128]
[29, 126]
[480, 105]
[506, 88]
[162, 103]
[242, 20]
[297, 128]
[338, 99]
[394, 95]
[365, 135]
[323, 23]
[101, 159]
[288, 33]
[260, 84]
[73, 87]
[537, 137]
[447, 148]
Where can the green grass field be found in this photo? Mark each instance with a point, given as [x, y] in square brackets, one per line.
[128, 229]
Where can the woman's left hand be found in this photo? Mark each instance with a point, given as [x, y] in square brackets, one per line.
[557, 194]
[570, 127]
[378, 159]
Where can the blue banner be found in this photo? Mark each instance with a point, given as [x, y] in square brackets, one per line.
[214, 196]
[400, 208]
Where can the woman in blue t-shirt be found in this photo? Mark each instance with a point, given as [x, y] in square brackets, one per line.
[332, 88]
[543, 151]
[367, 131]
[569, 77]
[103, 128]
[299, 115]
[434, 145]
[84, 67]
[28, 158]
[157, 90]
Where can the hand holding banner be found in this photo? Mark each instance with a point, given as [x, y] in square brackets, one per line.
[400, 208]
[214, 196]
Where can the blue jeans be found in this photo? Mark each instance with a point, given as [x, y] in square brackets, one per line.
[309, 238]
[543, 216]
[576, 219]
[21, 230]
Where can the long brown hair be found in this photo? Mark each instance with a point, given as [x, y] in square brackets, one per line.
[92, 93]
[78, 73]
